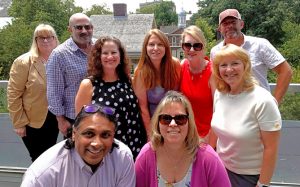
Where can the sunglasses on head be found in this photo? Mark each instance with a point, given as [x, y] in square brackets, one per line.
[189, 46]
[166, 119]
[80, 27]
[93, 108]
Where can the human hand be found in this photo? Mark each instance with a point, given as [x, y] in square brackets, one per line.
[63, 125]
[20, 131]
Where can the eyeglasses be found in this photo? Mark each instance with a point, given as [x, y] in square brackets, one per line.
[189, 46]
[166, 119]
[42, 38]
[80, 27]
[93, 108]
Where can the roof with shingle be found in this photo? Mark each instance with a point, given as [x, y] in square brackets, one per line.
[130, 29]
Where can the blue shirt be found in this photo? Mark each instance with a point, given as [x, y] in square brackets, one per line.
[66, 68]
[59, 166]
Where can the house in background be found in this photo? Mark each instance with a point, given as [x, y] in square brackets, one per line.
[4, 19]
[130, 29]
[174, 32]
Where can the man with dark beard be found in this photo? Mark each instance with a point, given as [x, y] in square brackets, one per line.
[67, 66]
[262, 53]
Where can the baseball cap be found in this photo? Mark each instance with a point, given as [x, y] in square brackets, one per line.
[229, 13]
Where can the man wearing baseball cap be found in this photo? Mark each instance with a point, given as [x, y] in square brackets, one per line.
[262, 53]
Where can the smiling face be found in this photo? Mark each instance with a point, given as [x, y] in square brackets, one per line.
[192, 55]
[93, 138]
[155, 49]
[173, 133]
[110, 55]
[232, 72]
[81, 29]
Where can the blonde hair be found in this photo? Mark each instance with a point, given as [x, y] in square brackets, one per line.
[192, 139]
[42, 29]
[168, 74]
[231, 50]
[196, 33]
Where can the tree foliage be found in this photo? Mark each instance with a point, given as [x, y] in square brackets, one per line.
[98, 9]
[263, 18]
[164, 13]
[16, 38]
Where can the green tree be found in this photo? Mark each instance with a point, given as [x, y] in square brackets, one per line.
[98, 10]
[262, 18]
[164, 13]
[16, 38]
[208, 33]
[290, 47]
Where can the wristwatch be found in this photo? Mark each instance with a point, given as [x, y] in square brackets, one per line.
[261, 185]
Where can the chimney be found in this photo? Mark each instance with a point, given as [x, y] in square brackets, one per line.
[120, 10]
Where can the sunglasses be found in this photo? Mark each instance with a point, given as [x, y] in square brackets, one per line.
[80, 27]
[93, 108]
[189, 46]
[166, 119]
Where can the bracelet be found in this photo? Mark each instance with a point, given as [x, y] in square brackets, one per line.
[261, 185]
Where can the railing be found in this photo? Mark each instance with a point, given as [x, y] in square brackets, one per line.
[12, 176]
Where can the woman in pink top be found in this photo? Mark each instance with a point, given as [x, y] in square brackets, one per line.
[196, 80]
[175, 157]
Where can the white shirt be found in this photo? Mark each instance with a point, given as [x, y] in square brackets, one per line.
[61, 167]
[263, 56]
[237, 122]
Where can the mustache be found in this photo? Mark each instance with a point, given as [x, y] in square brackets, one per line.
[83, 34]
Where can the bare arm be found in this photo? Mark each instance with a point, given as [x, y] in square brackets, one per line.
[212, 139]
[140, 92]
[284, 76]
[212, 85]
[84, 95]
[270, 141]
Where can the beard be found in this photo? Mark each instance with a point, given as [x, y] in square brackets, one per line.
[232, 34]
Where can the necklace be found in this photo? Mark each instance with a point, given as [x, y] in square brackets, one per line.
[197, 73]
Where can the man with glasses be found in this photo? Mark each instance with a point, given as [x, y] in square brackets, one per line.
[66, 67]
[262, 53]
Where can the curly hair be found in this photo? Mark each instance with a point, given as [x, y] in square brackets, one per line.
[95, 69]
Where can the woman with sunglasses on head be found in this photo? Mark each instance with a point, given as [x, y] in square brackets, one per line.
[156, 73]
[26, 94]
[196, 78]
[90, 157]
[175, 156]
[246, 120]
[109, 84]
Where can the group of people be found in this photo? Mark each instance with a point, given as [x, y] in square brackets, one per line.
[222, 129]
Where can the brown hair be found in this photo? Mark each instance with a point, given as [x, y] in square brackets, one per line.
[168, 74]
[95, 69]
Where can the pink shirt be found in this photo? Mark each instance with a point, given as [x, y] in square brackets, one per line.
[207, 168]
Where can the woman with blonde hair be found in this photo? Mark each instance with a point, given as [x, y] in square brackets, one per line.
[197, 80]
[246, 120]
[156, 73]
[175, 155]
[26, 94]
